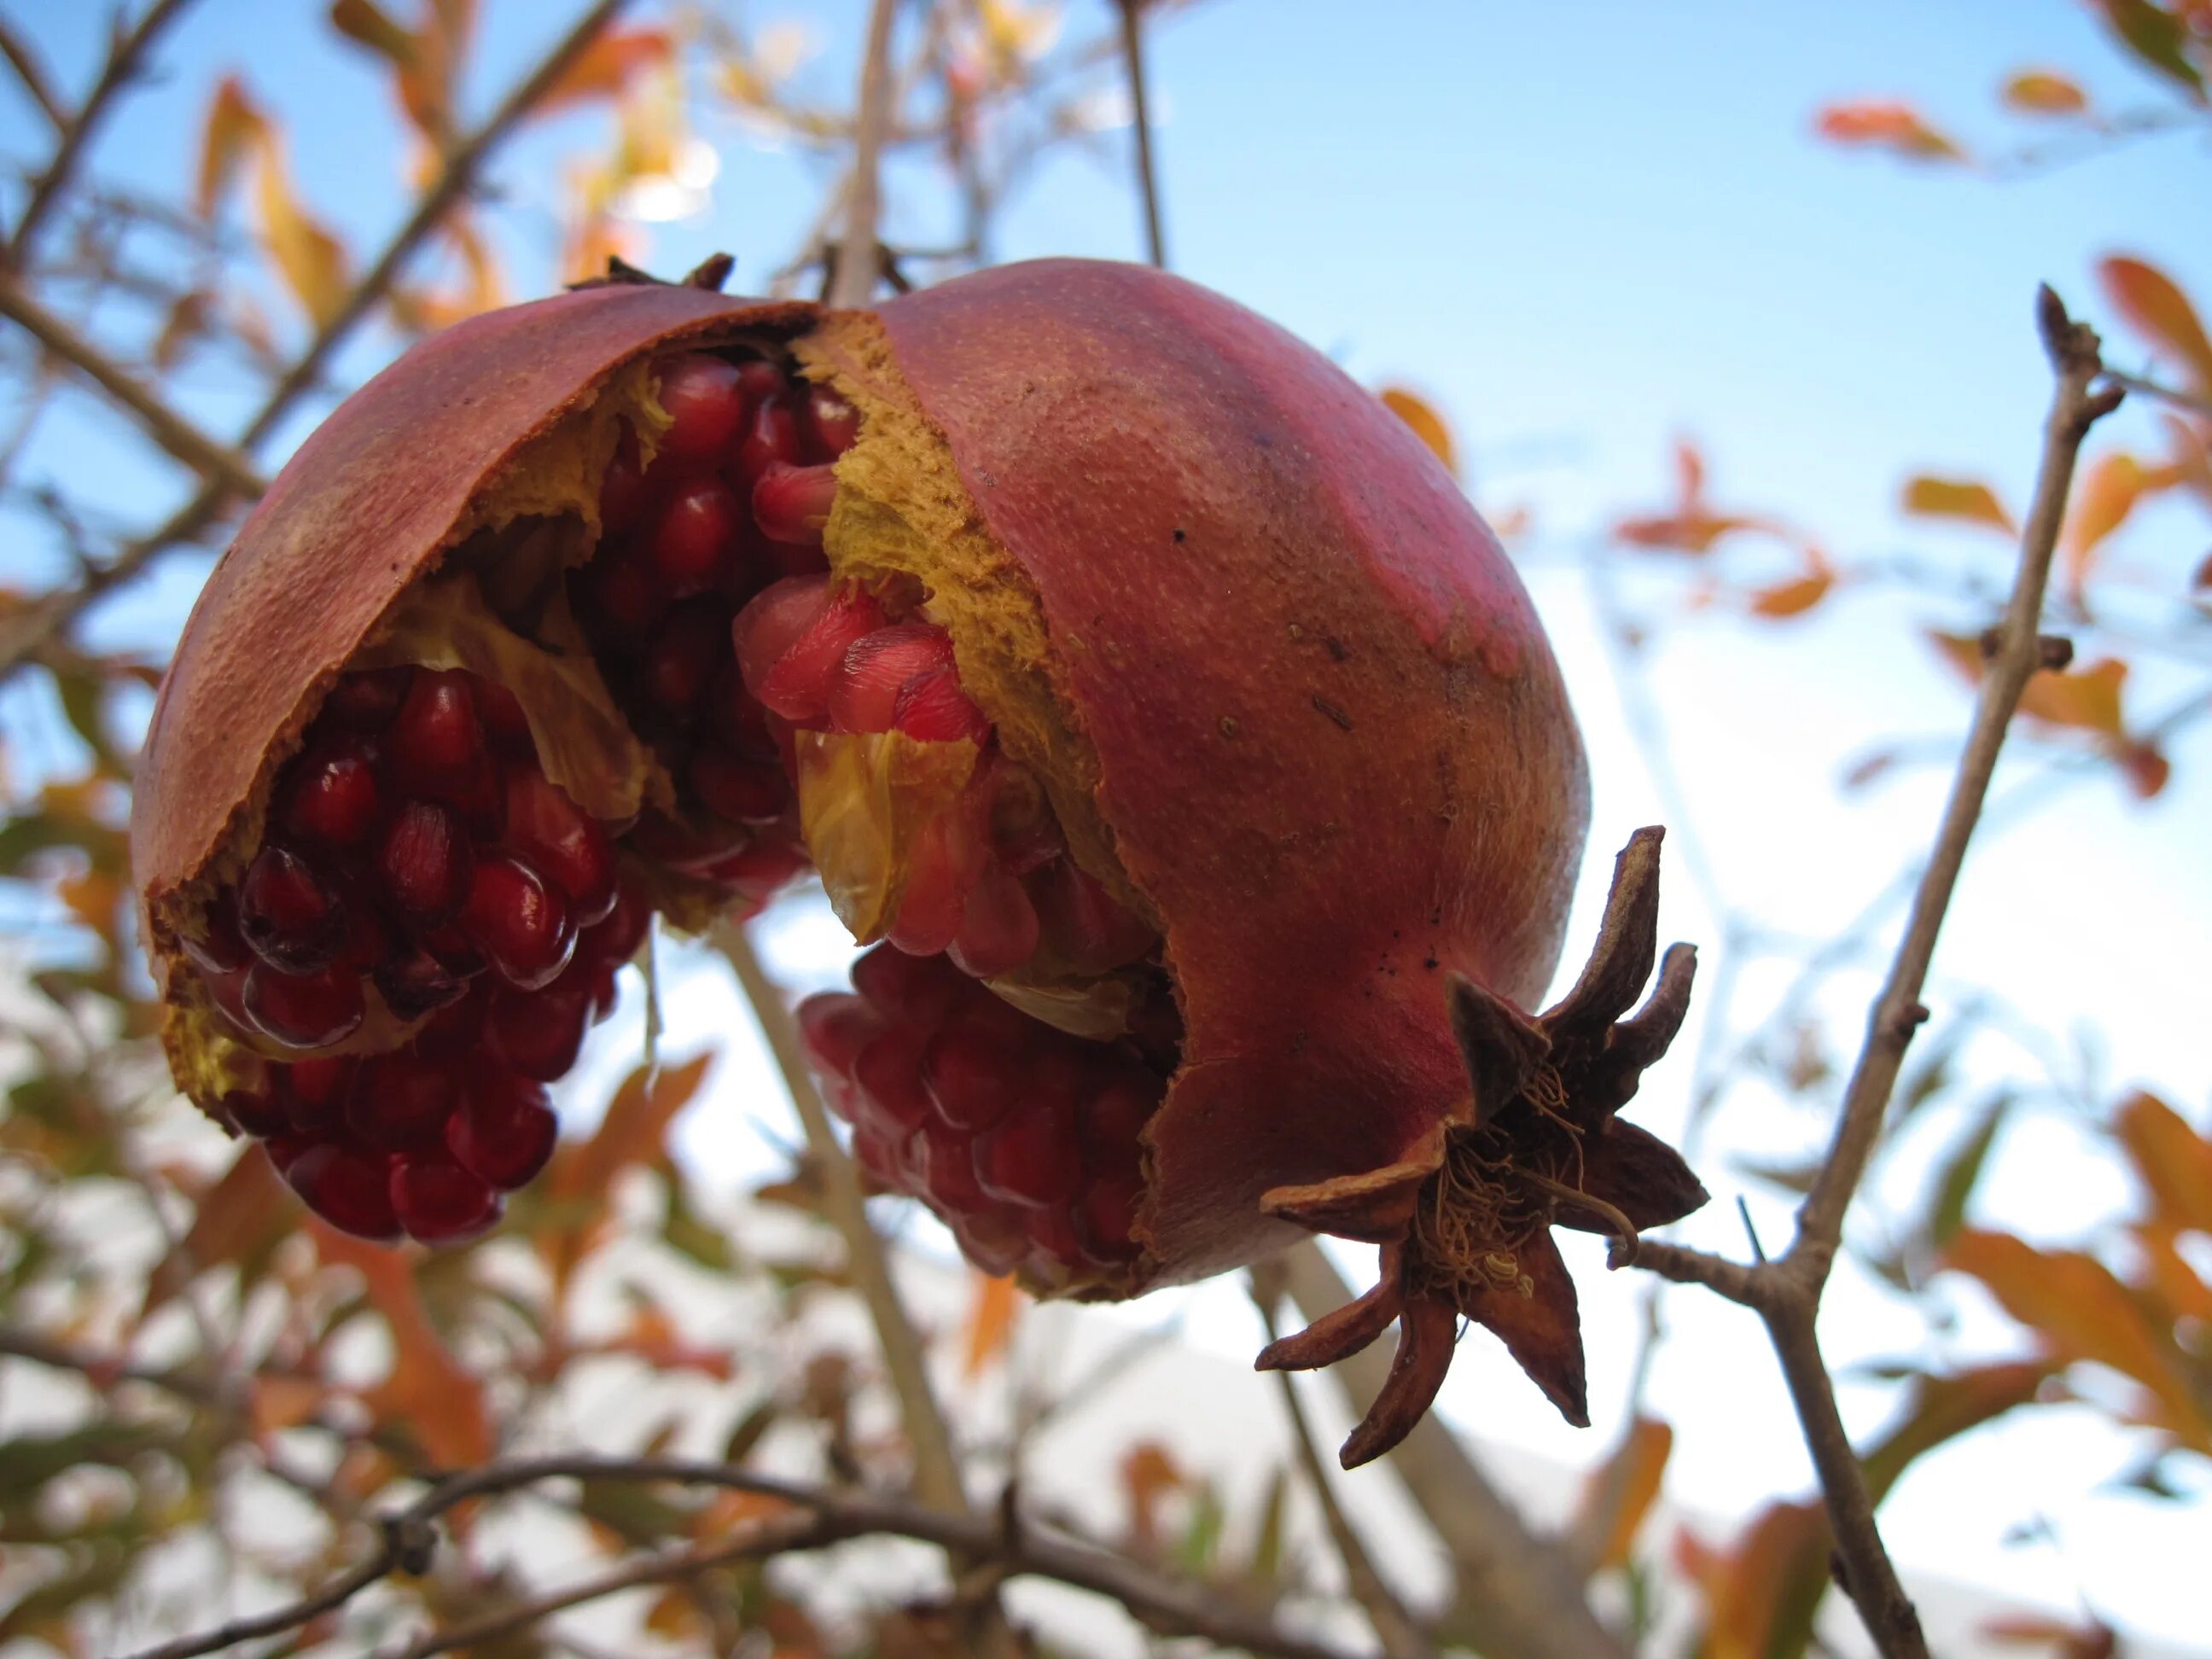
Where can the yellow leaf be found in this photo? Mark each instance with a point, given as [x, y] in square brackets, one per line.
[1750, 1589]
[1618, 1496]
[1957, 498]
[990, 1321]
[1892, 126]
[235, 125]
[2172, 1161]
[1417, 412]
[2150, 302]
[2082, 1312]
[2087, 699]
[1148, 1474]
[309, 259]
[2043, 92]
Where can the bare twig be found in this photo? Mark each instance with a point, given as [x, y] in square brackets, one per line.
[1518, 1597]
[218, 465]
[2195, 402]
[28, 628]
[33, 74]
[1401, 1637]
[854, 281]
[462, 165]
[1787, 1292]
[936, 1471]
[1132, 53]
[776, 1535]
[124, 60]
[408, 1540]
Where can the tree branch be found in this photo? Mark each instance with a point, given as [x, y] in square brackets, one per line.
[853, 283]
[219, 467]
[1517, 1596]
[24, 62]
[407, 1541]
[936, 1468]
[1787, 1292]
[1132, 53]
[26, 631]
[123, 57]
[1394, 1626]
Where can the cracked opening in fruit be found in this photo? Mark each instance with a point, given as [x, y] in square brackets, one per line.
[730, 612]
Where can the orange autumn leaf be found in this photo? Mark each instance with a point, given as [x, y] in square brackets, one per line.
[2166, 1275]
[2105, 495]
[1148, 1474]
[1969, 499]
[275, 1402]
[1618, 1496]
[2152, 303]
[633, 1132]
[1691, 526]
[1430, 428]
[606, 67]
[2082, 1312]
[1892, 126]
[2043, 92]
[2083, 699]
[2172, 1160]
[1754, 1590]
[428, 1393]
[1798, 595]
[311, 261]
[233, 125]
[990, 1322]
[246, 1213]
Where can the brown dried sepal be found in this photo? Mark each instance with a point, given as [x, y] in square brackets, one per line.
[1465, 1222]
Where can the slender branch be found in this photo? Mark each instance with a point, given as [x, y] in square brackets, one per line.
[218, 465]
[25, 632]
[1518, 1596]
[124, 58]
[1787, 1292]
[408, 1541]
[1394, 1626]
[936, 1471]
[2075, 406]
[854, 282]
[778, 1535]
[2195, 402]
[459, 175]
[1132, 53]
[33, 74]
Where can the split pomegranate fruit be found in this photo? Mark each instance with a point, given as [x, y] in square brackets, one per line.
[1147, 690]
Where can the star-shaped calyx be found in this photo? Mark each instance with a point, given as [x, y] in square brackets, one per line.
[1465, 1220]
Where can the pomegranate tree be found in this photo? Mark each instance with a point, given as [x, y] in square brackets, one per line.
[1135, 677]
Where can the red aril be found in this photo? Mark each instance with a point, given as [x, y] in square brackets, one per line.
[934, 708]
[1032, 1157]
[864, 691]
[254, 1112]
[314, 1092]
[705, 402]
[506, 722]
[695, 536]
[217, 948]
[772, 623]
[798, 685]
[424, 863]
[919, 991]
[538, 1034]
[791, 504]
[504, 1131]
[303, 1011]
[401, 1101]
[998, 929]
[682, 657]
[513, 915]
[622, 490]
[436, 740]
[742, 791]
[351, 1189]
[289, 915]
[333, 799]
[770, 435]
[563, 840]
[436, 1201]
[888, 1072]
[827, 423]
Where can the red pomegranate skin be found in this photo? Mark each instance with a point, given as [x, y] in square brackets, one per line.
[1334, 749]
[363, 510]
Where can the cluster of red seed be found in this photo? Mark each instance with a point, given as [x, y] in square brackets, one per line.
[988, 880]
[736, 498]
[1024, 1139]
[416, 846]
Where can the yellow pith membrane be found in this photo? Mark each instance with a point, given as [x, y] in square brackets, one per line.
[637, 681]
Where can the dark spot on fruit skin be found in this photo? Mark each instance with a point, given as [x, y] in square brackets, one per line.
[1179, 534]
[1338, 651]
[1228, 726]
[1324, 705]
[1430, 963]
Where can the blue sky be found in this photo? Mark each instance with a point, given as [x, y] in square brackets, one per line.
[1583, 230]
